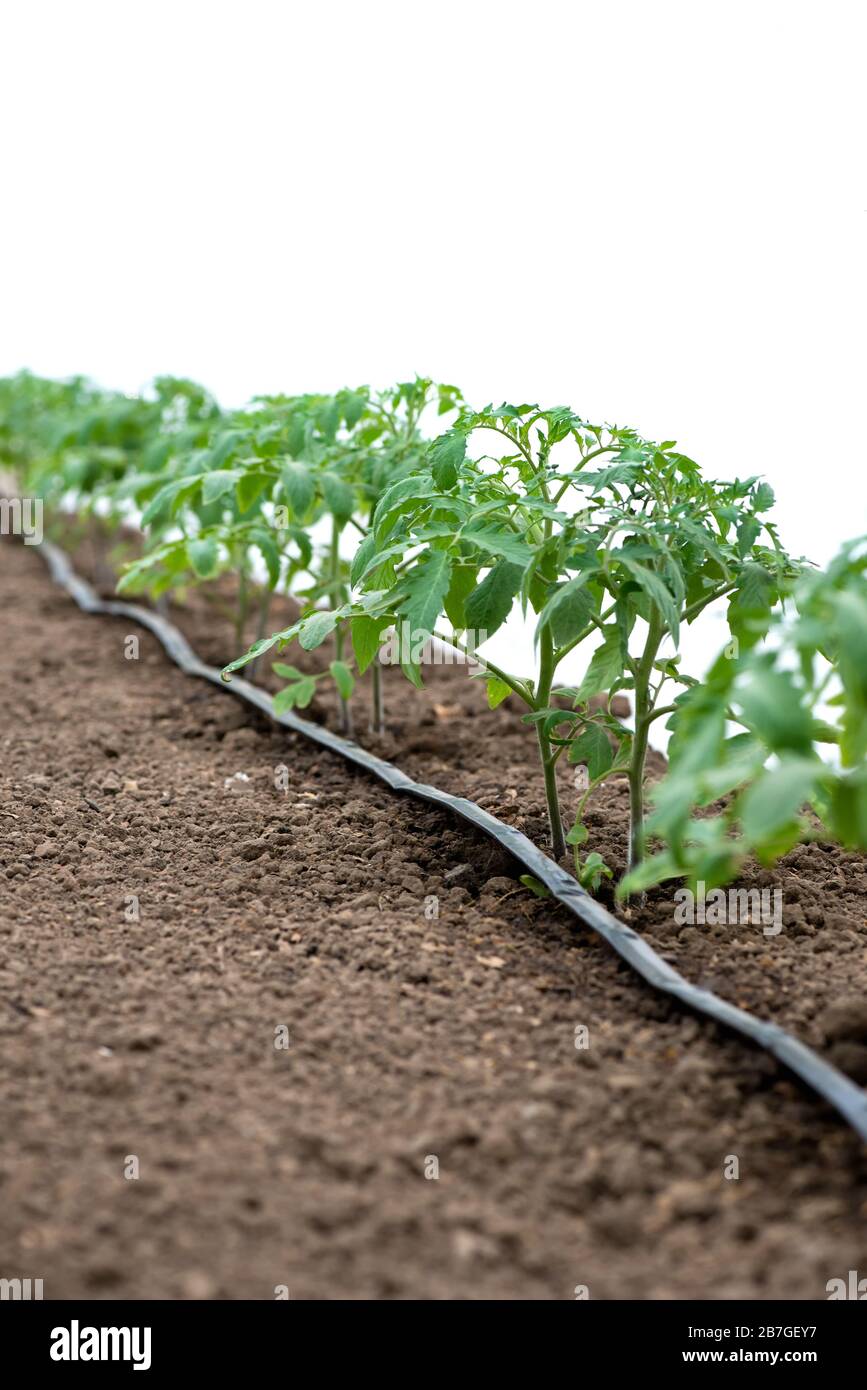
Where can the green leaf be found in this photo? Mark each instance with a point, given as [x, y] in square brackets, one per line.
[593, 748]
[203, 556]
[264, 644]
[216, 485]
[288, 673]
[226, 444]
[850, 611]
[339, 497]
[446, 455]
[657, 591]
[568, 609]
[748, 532]
[505, 544]
[749, 610]
[161, 501]
[366, 633]
[648, 873]
[498, 691]
[773, 800]
[488, 606]
[763, 497]
[362, 558]
[851, 614]
[705, 540]
[354, 405]
[284, 700]
[382, 558]
[316, 628]
[425, 589]
[772, 707]
[606, 666]
[298, 487]
[592, 871]
[343, 678]
[404, 495]
[296, 696]
[617, 473]
[461, 585]
[138, 571]
[535, 886]
[270, 554]
[250, 485]
[296, 435]
[848, 815]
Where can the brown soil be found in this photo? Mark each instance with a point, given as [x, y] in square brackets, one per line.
[811, 976]
[410, 1037]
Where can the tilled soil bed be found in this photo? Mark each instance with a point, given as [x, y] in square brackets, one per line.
[164, 923]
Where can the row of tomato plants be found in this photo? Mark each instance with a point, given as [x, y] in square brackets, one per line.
[614, 542]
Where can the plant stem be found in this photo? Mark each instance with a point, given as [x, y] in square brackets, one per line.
[555, 819]
[636, 792]
[546, 753]
[377, 714]
[547, 670]
[643, 714]
[346, 725]
[264, 607]
[243, 601]
[594, 453]
[336, 600]
[660, 712]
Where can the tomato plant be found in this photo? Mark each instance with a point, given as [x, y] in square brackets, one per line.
[32, 415]
[624, 552]
[342, 453]
[780, 790]
[86, 452]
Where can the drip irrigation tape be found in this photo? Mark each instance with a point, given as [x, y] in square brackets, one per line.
[829, 1083]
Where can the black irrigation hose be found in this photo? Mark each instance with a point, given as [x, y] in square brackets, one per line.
[824, 1079]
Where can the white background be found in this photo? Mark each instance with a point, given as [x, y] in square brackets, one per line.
[652, 212]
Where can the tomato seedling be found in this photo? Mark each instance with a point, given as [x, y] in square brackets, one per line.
[346, 450]
[779, 789]
[624, 552]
